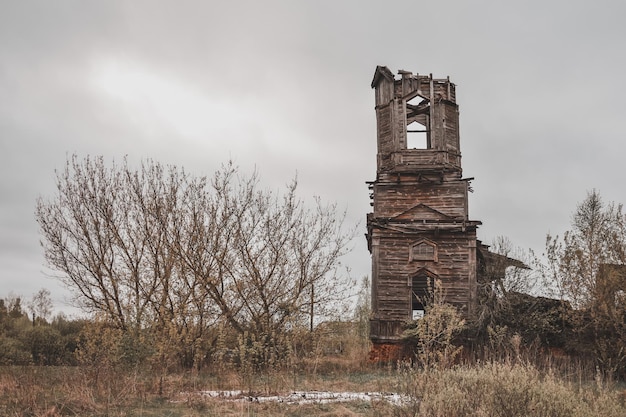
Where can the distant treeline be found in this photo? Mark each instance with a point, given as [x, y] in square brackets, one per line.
[28, 341]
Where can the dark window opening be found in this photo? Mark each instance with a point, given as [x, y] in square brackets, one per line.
[421, 295]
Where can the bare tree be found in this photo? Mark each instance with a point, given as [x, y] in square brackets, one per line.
[516, 264]
[40, 306]
[157, 248]
[106, 232]
[268, 261]
[589, 267]
[597, 237]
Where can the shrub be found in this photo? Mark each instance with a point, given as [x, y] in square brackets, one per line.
[497, 389]
[434, 333]
[13, 352]
[45, 345]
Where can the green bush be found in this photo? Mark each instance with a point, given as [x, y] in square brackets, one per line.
[14, 352]
[45, 344]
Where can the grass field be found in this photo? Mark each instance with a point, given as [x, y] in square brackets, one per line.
[491, 389]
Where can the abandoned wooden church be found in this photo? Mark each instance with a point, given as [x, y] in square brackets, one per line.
[419, 233]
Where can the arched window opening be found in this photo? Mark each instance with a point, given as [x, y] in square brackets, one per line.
[417, 123]
[421, 294]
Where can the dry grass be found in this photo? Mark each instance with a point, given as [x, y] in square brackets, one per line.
[43, 391]
[492, 389]
[507, 390]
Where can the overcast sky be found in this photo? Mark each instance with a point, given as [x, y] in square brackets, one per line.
[284, 86]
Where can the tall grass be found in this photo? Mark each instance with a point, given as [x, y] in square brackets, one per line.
[490, 389]
[513, 380]
[507, 390]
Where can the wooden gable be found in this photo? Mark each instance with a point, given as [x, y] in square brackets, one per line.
[422, 212]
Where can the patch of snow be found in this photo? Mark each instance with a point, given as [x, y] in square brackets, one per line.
[310, 397]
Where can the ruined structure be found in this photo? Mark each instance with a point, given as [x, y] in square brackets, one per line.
[419, 232]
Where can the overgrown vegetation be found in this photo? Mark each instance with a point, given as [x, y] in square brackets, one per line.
[117, 375]
[516, 384]
[433, 336]
[572, 300]
[36, 341]
[588, 266]
[182, 262]
[507, 390]
[215, 283]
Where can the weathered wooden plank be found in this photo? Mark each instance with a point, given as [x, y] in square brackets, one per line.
[418, 194]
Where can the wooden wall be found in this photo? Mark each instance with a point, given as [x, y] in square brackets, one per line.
[418, 195]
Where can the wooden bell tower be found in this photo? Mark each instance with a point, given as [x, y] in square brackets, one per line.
[419, 233]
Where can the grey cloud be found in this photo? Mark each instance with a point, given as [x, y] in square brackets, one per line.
[539, 88]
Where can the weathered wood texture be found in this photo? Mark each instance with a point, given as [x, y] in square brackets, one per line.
[419, 226]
